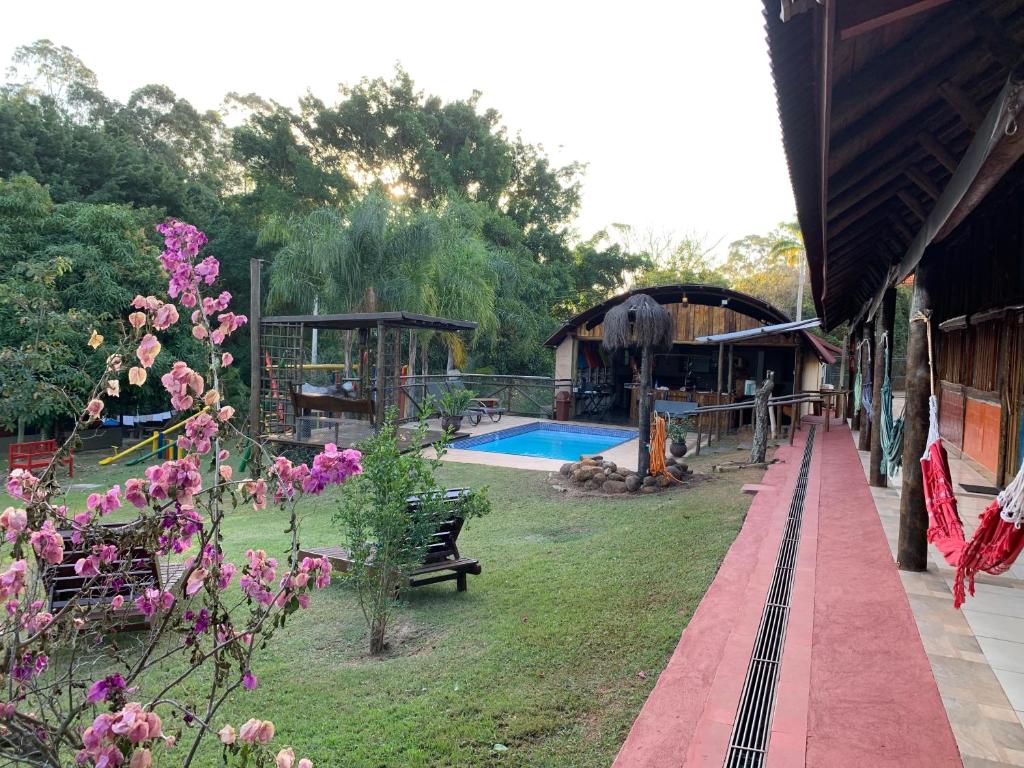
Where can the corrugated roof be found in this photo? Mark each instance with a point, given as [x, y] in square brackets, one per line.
[355, 320]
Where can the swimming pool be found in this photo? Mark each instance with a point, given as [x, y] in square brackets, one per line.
[547, 441]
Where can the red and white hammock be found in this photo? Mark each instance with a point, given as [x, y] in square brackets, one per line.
[999, 538]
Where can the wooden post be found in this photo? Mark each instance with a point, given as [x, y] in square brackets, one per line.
[844, 365]
[912, 549]
[718, 398]
[643, 460]
[883, 327]
[378, 375]
[397, 362]
[255, 364]
[729, 394]
[699, 424]
[867, 360]
[798, 384]
[858, 334]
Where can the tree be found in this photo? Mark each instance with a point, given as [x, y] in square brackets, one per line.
[789, 246]
[117, 707]
[386, 535]
[670, 260]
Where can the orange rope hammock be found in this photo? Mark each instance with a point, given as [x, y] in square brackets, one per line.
[657, 449]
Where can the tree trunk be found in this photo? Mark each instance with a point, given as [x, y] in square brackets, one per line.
[912, 550]
[411, 367]
[348, 354]
[883, 326]
[643, 460]
[21, 429]
[377, 628]
[759, 445]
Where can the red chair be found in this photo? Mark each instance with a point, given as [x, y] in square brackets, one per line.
[37, 455]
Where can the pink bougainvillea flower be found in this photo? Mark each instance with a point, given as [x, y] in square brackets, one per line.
[106, 502]
[305, 763]
[249, 681]
[199, 331]
[95, 339]
[199, 433]
[195, 581]
[48, 544]
[137, 376]
[134, 492]
[226, 359]
[148, 349]
[179, 382]
[13, 520]
[227, 734]
[137, 320]
[12, 581]
[113, 388]
[114, 363]
[141, 758]
[285, 758]
[154, 601]
[256, 731]
[94, 408]
[225, 413]
[212, 397]
[105, 689]
[165, 316]
[208, 269]
[225, 471]
[21, 484]
[116, 601]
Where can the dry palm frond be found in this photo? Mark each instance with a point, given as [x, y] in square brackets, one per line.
[639, 321]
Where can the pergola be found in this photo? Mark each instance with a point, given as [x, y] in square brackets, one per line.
[281, 364]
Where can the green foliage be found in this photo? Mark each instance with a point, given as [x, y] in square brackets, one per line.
[387, 537]
[677, 429]
[454, 402]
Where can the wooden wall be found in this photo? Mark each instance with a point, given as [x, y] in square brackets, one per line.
[979, 357]
[695, 320]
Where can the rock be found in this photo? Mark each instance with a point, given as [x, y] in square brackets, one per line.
[664, 481]
[597, 459]
[610, 465]
[677, 472]
[615, 476]
[633, 482]
[588, 463]
[648, 489]
[685, 468]
[565, 469]
[614, 486]
[592, 485]
[649, 481]
[584, 474]
[670, 461]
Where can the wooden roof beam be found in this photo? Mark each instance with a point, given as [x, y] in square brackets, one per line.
[962, 104]
[921, 179]
[938, 150]
[856, 18]
[911, 202]
[904, 231]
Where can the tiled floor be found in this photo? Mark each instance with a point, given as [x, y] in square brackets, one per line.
[977, 653]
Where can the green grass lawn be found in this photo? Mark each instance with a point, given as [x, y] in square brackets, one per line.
[550, 653]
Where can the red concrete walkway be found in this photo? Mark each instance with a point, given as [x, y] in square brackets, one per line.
[855, 687]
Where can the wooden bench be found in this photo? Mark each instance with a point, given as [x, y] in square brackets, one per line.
[37, 455]
[136, 571]
[441, 561]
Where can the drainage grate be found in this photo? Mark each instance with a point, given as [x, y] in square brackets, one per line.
[749, 740]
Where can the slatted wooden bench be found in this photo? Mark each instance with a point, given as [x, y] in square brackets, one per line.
[130, 576]
[441, 562]
[37, 455]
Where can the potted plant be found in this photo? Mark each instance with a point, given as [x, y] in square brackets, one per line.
[452, 406]
[676, 432]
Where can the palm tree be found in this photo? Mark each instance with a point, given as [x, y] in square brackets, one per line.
[789, 246]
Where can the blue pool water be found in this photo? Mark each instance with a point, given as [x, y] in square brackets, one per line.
[547, 441]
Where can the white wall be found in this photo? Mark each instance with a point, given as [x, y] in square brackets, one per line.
[565, 356]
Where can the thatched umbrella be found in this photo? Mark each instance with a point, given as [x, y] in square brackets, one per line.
[640, 321]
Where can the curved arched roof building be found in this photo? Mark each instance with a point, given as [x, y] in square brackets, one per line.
[690, 370]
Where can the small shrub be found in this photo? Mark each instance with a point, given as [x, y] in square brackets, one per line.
[386, 537]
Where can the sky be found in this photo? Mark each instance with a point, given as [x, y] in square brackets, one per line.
[669, 104]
